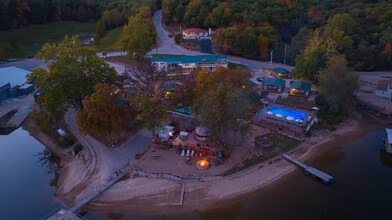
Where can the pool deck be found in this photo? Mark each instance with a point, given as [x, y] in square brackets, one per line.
[292, 128]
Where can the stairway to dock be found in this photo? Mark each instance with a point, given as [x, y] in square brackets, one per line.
[325, 178]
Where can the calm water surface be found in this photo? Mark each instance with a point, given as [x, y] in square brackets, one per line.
[363, 188]
[25, 189]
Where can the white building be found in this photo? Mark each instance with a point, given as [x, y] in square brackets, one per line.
[388, 140]
[195, 33]
[186, 64]
[384, 89]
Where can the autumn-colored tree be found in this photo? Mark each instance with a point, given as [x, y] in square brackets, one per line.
[101, 114]
[150, 109]
[221, 97]
[70, 76]
[138, 37]
[313, 58]
[262, 42]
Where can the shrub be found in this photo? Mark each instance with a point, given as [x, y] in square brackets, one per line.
[78, 148]
[42, 120]
[178, 38]
[66, 141]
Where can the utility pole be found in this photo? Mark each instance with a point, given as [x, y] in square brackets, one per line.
[284, 60]
[272, 52]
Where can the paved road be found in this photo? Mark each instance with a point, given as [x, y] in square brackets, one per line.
[105, 160]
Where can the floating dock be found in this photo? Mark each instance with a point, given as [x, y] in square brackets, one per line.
[16, 120]
[327, 179]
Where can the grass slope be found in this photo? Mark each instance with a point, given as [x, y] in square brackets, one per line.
[111, 41]
[27, 41]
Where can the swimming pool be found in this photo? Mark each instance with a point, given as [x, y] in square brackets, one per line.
[287, 113]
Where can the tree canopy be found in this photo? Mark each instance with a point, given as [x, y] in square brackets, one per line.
[361, 29]
[71, 74]
[101, 114]
[220, 99]
[150, 109]
[138, 37]
[337, 86]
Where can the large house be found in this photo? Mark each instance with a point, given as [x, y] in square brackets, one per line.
[274, 85]
[183, 65]
[195, 33]
[384, 89]
[300, 88]
[13, 83]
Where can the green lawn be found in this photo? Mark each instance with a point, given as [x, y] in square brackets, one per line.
[233, 66]
[27, 41]
[111, 41]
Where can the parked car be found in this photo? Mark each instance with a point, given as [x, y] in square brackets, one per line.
[264, 94]
[261, 79]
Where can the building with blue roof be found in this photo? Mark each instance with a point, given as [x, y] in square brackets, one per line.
[274, 85]
[13, 83]
[279, 73]
[300, 88]
[185, 64]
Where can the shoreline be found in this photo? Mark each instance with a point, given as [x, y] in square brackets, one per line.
[205, 194]
[143, 195]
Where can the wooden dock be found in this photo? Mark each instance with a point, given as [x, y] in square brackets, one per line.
[327, 179]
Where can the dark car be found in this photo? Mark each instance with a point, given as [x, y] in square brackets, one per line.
[264, 94]
[260, 79]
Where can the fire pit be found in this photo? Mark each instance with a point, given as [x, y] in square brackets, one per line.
[202, 164]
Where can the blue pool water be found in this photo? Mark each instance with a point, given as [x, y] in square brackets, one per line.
[287, 113]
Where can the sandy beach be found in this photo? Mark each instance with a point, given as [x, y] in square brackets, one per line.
[149, 194]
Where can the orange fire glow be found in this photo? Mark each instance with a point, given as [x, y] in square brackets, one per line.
[202, 163]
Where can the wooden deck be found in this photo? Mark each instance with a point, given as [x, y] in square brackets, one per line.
[327, 179]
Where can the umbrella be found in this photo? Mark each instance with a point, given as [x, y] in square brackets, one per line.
[279, 115]
[270, 113]
[290, 118]
[298, 120]
[315, 108]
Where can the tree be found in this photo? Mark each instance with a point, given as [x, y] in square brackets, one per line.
[220, 99]
[138, 37]
[70, 76]
[262, 42]
[151, 109]
[337, 86]
[144, 76]
[101, 114]
[312, 59]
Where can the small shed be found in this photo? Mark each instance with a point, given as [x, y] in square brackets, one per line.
[388, 140]
[300, 88]
[25, 89]
[274, 85]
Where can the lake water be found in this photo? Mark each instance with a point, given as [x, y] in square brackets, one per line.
[363, 188]
[25, 189]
